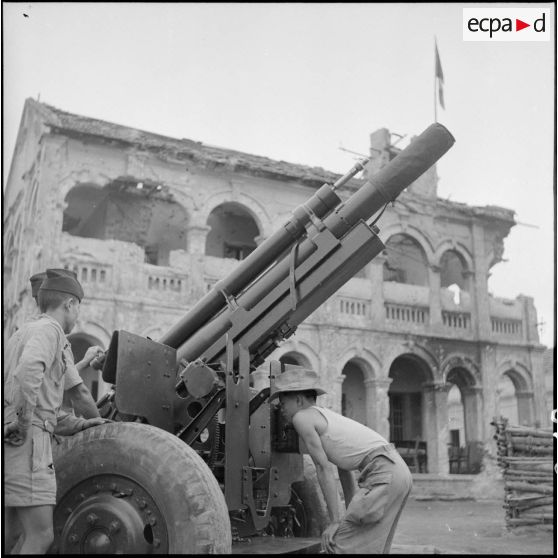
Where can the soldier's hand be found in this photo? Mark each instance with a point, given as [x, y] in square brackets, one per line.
[96, 421]
[327, 537]
[14, 434]
[91, 353]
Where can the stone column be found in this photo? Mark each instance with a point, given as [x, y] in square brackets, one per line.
[473, 418]
[530, 332]
[525, 408]
[435, 301]
[482, 306]
[435, 426]
[376, 276]
[472, 413]
[377, 405]
[489, 382]
[542, 407]
[469, 275]
[195, 238]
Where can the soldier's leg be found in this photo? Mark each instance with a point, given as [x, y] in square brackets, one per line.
[37, 528]
[401, 487]
[371, 518]
[30, 489]
[12, 531]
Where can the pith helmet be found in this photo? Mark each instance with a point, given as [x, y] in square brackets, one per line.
[63, 281]
[296, 378]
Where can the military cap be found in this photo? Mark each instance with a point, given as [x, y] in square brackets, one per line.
[37, 279]
[67, 272]
[296, 378]
[64, 281]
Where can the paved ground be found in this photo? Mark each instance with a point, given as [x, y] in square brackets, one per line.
[468, 527]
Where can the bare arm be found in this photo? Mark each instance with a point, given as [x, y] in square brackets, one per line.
[68, 424]
[91, 353]
[348, 484]
[305, 425]
[305, 428]
[83, 402]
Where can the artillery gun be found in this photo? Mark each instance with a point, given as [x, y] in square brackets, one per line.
[195, 458]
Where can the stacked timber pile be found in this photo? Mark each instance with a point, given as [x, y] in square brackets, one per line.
[526, 458]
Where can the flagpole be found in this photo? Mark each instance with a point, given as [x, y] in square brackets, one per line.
[435, 104]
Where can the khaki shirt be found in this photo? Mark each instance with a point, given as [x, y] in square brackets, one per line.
[35, 364]
[72, 377]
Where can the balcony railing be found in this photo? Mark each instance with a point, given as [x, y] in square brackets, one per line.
[115, 268]
[408, 314]
[165, 281]
[353, 306]
[456, 320]
[509, 328]
[91, 273]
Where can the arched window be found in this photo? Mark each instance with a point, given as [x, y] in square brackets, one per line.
[461, 442]
[507, 400]
[233, 232]
[405, 261]
[85, 211]
[453, 270]
[295, 359]
[408, 373]
[131, 211]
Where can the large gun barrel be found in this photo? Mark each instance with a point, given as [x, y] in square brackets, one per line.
[318, 206]
[380, 189]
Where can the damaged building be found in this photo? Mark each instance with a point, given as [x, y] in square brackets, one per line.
[414, 346]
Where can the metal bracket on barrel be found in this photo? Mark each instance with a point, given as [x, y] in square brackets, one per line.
[229, 298]
[316, 221]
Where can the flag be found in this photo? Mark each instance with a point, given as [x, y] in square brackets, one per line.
[439, 77]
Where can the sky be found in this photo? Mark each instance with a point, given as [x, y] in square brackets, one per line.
[298, 82]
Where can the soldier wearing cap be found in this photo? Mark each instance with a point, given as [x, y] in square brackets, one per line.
[373, 509]
[76, 394]
[34, 370]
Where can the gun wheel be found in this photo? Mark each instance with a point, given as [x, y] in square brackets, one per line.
[133, 488]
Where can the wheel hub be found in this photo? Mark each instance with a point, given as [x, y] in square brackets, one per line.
[108, 514]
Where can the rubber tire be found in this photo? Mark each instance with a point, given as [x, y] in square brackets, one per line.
[310, 493]
[183, 487]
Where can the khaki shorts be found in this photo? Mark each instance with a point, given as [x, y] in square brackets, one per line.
[29, 478]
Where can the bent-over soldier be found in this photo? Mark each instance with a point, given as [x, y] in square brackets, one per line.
[372, 509]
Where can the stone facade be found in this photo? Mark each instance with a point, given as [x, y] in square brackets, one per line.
[150, 223]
